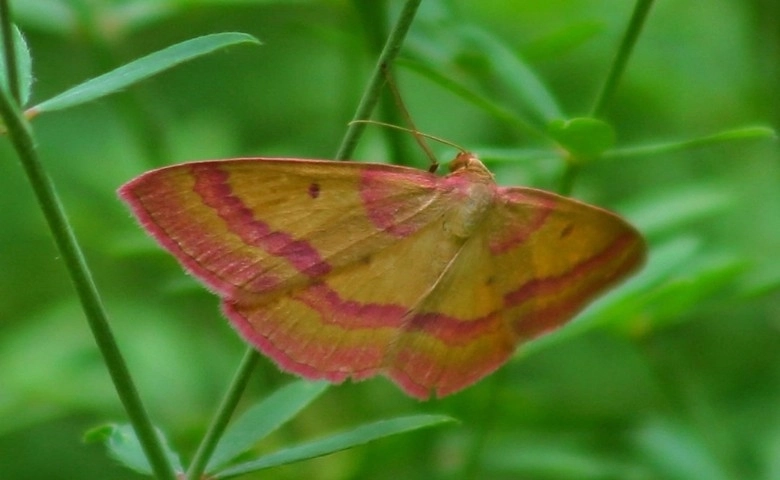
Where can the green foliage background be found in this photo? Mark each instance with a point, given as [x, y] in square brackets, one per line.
[676, 375]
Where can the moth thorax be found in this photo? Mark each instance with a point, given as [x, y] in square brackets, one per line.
[466, 216]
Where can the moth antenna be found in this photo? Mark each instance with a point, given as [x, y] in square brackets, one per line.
[405, 113]
[413, 132]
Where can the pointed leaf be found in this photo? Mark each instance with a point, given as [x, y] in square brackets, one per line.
[491, 74]
[123, 445]
[51, 16]
[583, 137]
[140, 69]
[677, 451]
[24, 66]
[263, 418]
[468, 94]
[736, 134]
[336, 443]
[513, 74]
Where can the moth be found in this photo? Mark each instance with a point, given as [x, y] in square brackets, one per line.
[341, 270]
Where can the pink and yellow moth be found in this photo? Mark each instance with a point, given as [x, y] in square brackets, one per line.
[341, 270]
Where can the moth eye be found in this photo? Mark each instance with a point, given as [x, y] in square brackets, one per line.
[567, 230]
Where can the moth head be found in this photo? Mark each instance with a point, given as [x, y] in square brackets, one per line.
[468, 162]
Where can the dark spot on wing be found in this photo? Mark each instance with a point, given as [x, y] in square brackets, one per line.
[314, 190]
[567, 230]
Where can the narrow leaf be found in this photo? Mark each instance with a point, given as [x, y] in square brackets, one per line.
[50, 16]
[737, 134]
[123, 445]
[468, 94]
[583, 137]
[512, 73]
[338, 442]
[23, 65]
[676, 450]
[265, 417]
[140, 69]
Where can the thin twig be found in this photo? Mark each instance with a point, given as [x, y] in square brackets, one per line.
[377, 80]
[21, 136]
[638, 18]
[224, 412]
[9, 52]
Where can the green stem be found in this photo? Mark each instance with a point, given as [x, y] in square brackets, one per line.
[641, 11]
[373, 17]
[224, 412]
[374, 88]
[568, 177]
[618, 67]
[490, 413]
[20, 135]
[367, 103]
[9, 52]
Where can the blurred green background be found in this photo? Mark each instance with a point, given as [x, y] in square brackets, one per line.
[676, 375]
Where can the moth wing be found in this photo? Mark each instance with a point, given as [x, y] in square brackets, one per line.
[250, 228]
[535, 262]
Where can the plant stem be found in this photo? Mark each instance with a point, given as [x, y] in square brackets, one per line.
[490, 413]
[20, 135]
[374, 88]
[222, 417]
[641, 11]
[373, 17]
[9, 52]
[367, 103]
[567, 178]
[618, 67]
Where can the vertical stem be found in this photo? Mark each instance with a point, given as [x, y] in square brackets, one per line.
[374, 88]
[21, 136]
[641, 11]
[373, 17]
[618, 67]
[222, 417]
[568, 177]
[490, 412]
[9, 52]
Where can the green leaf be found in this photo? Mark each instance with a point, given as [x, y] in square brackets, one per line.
[736, 134]
[263, 418]
[562, 41]
[140, 69]
[584, 137]
[475, 65]
[50, 16]
[554, 458]
[123, 445]
[510, 73]
[338, 442]
[677, 450]
[24, 65]
[467, 93]
[671, 209]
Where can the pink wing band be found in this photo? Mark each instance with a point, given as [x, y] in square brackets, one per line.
[211, 184]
